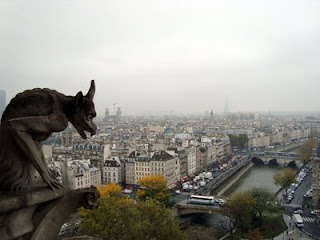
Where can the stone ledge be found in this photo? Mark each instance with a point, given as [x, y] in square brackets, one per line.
[13, 201]
[40, 213]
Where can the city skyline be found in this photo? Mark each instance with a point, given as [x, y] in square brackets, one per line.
[2, 101]
[182, 57]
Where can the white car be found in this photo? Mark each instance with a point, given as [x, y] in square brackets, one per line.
[299, 211]
[221, 201]
[289, 197]
[315, 212]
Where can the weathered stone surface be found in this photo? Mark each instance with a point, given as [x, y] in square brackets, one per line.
[82, 238]
[40, 214]
[31, 117]
[13, 201]
[33, 208]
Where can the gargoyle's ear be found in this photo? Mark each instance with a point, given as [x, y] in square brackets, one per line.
[79, 99]
[91, 91]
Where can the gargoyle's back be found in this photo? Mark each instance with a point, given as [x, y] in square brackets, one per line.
[35, 102]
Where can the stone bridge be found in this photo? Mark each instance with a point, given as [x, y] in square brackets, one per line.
[185, 209]
[274, 158]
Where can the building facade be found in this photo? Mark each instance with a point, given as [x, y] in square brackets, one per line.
[79, 174]
[112, 171]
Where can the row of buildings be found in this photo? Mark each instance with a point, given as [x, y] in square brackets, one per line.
[86, 164]
[130, 148]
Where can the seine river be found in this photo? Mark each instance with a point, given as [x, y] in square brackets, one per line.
[257, 176]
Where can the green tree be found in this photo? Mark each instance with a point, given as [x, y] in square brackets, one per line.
[243, 140]
[113, 218]
[157, 222]
[241, 209]
[154, 187]
[263, 198]
[285, 178]
[305, 150]
[119, 218]
[239, 141]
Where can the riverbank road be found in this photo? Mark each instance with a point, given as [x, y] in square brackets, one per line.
[311, 227]
[292, 231]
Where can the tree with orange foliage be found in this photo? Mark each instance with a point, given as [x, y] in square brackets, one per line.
[154, 187]
[110, 190]
[119, 217]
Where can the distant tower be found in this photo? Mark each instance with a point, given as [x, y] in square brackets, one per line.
[118, 112]
[226, 108]
[2, 101]
[211, 115]
[106, 115]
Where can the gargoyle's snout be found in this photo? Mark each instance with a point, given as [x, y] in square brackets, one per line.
[94, 130]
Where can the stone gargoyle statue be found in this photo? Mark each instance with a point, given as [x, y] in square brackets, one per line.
[29, 209]
[31, 117]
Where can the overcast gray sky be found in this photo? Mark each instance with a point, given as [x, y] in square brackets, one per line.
[162, 56]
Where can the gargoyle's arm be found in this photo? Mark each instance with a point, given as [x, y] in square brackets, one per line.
[25, 132]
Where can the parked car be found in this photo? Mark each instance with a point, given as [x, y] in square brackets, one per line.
[308, 195]
[315, 212]
[221, 201]
[298, 210]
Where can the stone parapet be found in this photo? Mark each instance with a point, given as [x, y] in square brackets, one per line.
[40, 213]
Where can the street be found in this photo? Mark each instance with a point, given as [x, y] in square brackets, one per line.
[311, 228]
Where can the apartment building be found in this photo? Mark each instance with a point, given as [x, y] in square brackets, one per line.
[95, 176]
[201, 155]
[220, 151]
[112, 171]
[295, 134]
[211, 153]
[277, 138]
[164, 164]
[130, 172]
[62, 152]
[191, 161]
[182, 158]
[259, 141]
[93, 151]
[80, 174]
[139, 165]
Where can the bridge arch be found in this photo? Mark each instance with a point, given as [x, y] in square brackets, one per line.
[257, 161]
[292, 164]
[273, 162]
[193, 209]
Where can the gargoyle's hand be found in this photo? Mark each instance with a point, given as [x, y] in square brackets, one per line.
[53, 183]
[92, 198]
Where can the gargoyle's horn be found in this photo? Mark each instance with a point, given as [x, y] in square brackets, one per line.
[91, 91]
